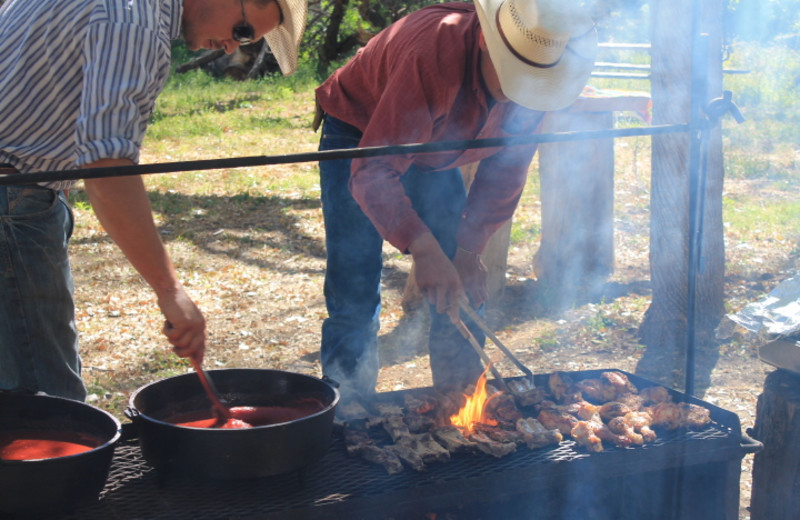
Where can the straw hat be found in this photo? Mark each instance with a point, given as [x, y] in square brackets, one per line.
[543, 50]
[284, 40]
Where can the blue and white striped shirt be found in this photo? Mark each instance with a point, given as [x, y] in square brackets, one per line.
[79, 78]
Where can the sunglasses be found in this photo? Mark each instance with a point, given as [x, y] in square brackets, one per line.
[243, 32]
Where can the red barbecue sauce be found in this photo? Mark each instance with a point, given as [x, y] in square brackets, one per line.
[249, 416]
[38, 444]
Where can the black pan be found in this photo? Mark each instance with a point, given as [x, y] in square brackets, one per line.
[28, 486]
[232, 453]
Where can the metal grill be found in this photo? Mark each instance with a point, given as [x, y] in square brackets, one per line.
[563, 478]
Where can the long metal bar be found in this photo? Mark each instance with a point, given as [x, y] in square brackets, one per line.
[326, 155]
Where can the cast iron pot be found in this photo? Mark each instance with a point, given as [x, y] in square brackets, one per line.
[28, 486]
[232, 453]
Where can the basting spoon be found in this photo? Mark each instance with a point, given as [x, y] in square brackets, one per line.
[220, 410]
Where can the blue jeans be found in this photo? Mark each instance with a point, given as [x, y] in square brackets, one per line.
[349, 350]
[38, 337]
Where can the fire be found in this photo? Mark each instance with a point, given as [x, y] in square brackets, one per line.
[474, 410]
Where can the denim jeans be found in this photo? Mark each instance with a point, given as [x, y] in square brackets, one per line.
[349, 350]
[38, 337]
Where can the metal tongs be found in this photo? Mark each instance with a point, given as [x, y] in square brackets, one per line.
[474, 316]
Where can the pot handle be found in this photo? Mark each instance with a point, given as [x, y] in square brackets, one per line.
[749, 444]
[334, 383]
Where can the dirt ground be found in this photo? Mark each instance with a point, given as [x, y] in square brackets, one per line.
[257, 271]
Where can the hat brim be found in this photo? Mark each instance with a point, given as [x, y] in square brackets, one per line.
[284, 40]
[540, 88]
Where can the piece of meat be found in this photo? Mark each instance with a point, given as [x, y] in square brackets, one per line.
[408, 456]
[499, 434]
[451, 438]
[554, 419]
[490, 447]
[356, 440]
[633, 401]
[622, 427]
[612, 409]
[419, 423]
[666, 414]
[619, 381]
[525, 393]
[592, 389]
[562, 388]
[583, 410]
[395, 426]
[386, 458]
[425, 446]
[694, 416]
[605, 433]
[655, 394]
[503, 408]
[641, 422]
[420, 404]
[536, 435]
[585, 434]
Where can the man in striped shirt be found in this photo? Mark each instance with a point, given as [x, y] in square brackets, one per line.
[79, 80]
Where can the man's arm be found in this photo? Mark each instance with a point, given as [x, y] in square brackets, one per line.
[122, 206]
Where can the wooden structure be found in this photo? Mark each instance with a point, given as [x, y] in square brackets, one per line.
[576, 253]
[776, 469]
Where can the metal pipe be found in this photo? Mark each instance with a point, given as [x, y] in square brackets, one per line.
[327, 155]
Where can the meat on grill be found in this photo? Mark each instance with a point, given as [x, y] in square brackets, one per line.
[593, 412]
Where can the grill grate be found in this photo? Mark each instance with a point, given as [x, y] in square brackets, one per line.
[338, 486]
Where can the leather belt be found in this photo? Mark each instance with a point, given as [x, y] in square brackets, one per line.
[7, 169]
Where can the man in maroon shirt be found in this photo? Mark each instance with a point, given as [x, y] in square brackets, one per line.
[446, 72]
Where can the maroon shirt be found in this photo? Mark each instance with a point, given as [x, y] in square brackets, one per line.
[419, 81]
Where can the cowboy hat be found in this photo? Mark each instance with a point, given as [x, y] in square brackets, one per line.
[543, 50]
[284, 40]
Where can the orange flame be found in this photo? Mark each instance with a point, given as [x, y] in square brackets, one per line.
[474, 410]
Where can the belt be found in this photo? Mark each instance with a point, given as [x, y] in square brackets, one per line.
[7, 169]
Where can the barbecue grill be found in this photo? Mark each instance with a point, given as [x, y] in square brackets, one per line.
[682, 475]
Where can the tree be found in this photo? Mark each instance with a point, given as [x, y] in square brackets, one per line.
[664, 329]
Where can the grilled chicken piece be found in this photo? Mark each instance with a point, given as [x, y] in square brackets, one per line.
[666, 414]
[694, 416]
[563, 389]
[621, 426]
[632, 401]
[655, 395]
[613, 409]
[585, 434]
[641, 423]
[592, 389]
[536, 435]
[619, 382]
[605, 433]
[584, 410]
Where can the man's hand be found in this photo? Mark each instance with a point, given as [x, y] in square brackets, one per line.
[473, 275]
[185, 327]
[436, 276]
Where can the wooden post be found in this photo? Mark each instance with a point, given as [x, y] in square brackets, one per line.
[576, 252]
[776, 469]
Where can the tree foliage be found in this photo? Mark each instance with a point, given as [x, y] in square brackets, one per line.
[336, 28]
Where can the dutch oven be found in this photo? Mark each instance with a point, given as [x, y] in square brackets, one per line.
[254, 452]
[28, 486]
